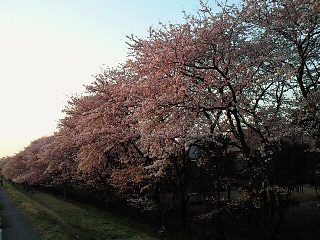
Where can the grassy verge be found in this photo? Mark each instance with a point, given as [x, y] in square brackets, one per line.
[57, 218]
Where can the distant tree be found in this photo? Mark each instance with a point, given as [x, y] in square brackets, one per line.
[292, 163]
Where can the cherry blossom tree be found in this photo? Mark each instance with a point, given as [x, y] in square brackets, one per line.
[239, 80]
[27, 166]
[60, 156]
[294, 29]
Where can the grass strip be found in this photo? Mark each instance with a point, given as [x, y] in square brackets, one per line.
[62, 219]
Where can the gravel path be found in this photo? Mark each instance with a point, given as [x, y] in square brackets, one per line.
[16, 225]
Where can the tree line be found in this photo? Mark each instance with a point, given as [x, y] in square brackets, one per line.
[239, 87]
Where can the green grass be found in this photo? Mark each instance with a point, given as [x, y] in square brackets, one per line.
[62, 219]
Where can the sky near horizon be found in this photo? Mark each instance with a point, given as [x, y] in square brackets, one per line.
[50, 49]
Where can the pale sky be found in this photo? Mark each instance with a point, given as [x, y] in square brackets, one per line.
[50, 48]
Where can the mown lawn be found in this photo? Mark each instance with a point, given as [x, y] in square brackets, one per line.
[57, 218]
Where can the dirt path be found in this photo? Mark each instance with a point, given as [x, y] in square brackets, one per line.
[16, 225]
[302, 222]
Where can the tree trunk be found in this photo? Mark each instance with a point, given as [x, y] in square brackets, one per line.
[317, 193]
[229, 193]
[220, 230]
[281, 208]
[156, 196]
[183, 208]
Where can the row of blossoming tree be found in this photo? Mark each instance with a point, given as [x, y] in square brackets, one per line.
[238, 86]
